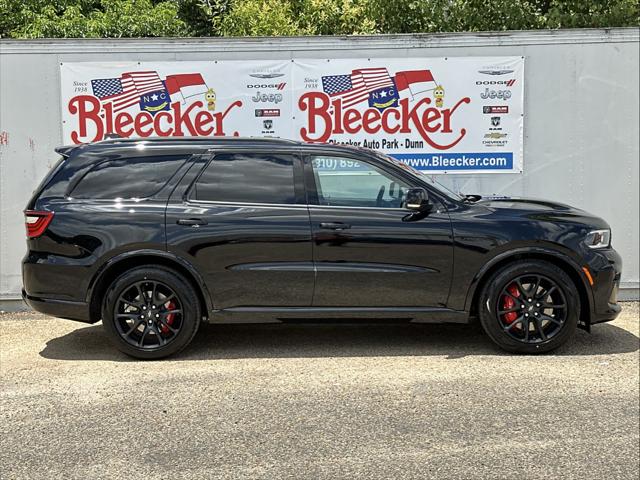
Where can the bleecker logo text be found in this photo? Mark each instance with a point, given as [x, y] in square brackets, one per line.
[178, 121]
[326, 117]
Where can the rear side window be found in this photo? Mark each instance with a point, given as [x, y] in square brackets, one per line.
[128, 177]
[247, 178]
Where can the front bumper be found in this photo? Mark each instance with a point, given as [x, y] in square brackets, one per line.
[78, 311]
[606, 269]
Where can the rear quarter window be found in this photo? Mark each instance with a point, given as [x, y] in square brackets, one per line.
[128, 177]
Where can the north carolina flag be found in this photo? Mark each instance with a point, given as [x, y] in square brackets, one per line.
[188, 84]
[414, 81]
[355, 88]
[125, 91]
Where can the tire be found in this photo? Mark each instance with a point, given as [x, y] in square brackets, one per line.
[155, 300]
[505, 308]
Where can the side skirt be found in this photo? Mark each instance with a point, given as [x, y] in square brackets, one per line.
[337, 314]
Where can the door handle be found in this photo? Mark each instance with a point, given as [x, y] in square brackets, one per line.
[335, 225]
[194, 222]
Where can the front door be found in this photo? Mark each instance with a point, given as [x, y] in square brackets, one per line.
[366, 253]
[244, 224]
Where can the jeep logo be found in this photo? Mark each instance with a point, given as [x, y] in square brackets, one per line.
[493, 94]
[267, 97]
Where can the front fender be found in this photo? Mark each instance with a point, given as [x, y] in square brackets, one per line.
[548, 253]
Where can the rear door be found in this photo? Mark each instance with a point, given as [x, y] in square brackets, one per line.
[241, 218]
[367, 250]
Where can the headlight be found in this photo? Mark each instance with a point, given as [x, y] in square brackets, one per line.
[598, 238]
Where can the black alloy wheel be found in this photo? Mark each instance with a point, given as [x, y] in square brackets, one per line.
[529, 306]
[532, 309]
[151, 312]
[148, 314]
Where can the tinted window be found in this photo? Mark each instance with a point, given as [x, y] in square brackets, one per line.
[127, 177]
[247, 178]
[349, 183]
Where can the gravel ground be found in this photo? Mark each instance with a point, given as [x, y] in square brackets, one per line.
[318, 401]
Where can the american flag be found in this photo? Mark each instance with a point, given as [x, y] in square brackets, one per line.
[356, 87]
[125, 91]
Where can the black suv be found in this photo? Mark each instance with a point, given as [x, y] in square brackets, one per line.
[154, 236]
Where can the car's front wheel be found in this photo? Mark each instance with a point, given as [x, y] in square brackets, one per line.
[529, 306]
[151, 312]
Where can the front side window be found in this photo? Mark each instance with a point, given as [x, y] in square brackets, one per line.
[247, 178]
[127, 178]
[423, 176]
[349, 183]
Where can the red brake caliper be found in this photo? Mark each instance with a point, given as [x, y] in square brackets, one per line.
[170, 317]
[508, 303]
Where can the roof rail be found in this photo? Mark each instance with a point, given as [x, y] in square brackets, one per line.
[114, 138]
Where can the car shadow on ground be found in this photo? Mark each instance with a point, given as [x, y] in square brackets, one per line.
[334, 340]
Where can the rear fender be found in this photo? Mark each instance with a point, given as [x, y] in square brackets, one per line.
[148, 256]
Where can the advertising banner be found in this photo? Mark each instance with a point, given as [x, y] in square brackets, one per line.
[439, 115]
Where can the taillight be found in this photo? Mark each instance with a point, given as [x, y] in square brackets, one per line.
[36, 222]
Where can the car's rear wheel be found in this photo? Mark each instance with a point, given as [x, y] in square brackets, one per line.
[151, 312]
[529, 307]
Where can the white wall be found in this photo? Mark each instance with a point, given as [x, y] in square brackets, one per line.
[581, 142]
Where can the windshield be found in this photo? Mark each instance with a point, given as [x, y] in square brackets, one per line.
[422, 176]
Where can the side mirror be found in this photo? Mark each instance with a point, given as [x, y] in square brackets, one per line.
[417, 200]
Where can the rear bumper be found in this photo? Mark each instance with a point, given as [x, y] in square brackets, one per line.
[78, 311]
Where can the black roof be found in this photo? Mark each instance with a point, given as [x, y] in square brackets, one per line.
[194, 144]
[198, 140]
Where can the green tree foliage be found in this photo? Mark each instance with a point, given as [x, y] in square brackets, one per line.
[479, 15]
[148, 18]
[260, 17]
[583, 14]
[334, 17]
[298, 17]
[203, 17]
[407, 16]
[87, 18]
